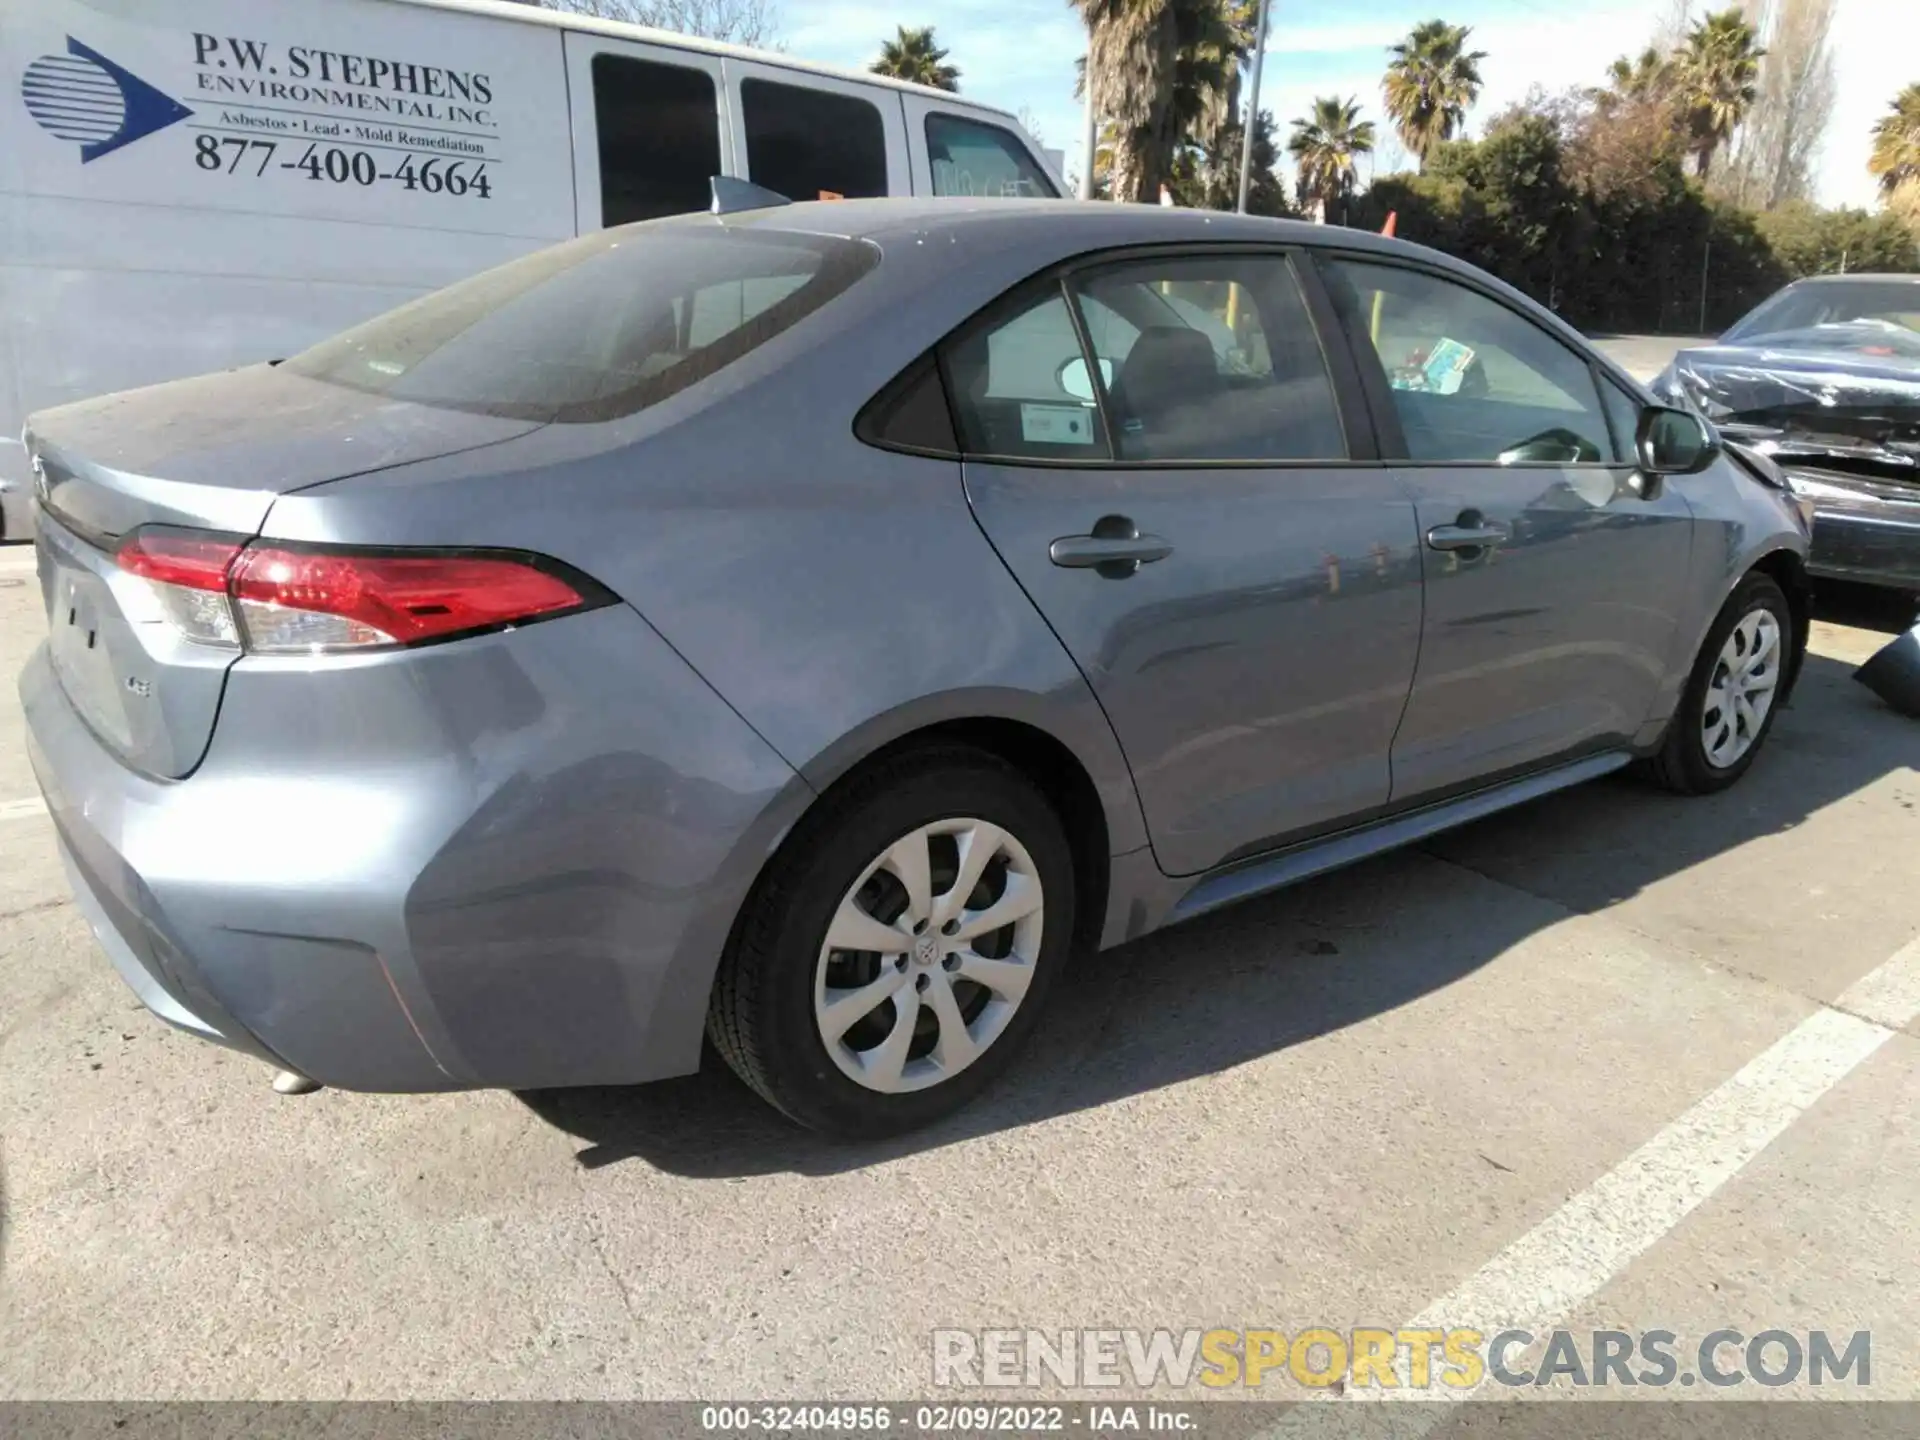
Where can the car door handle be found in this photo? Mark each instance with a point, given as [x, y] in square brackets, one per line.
[1467, 537]
[1096, 552]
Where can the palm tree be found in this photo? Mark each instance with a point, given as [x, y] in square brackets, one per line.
[1431, 83]
[913, 56]
[1324, 145]
[1212, 43]
[1646, 76]
[1896, 143]
[1718, 72]
[1165, 75]
[1132, 46]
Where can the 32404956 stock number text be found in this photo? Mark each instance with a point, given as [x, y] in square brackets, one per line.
[344, 165]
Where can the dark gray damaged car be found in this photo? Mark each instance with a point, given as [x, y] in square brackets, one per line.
[808, 626]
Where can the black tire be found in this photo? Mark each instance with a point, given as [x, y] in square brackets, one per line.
[761, 1018]
[1681, 764]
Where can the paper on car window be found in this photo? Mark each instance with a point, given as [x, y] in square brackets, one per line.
[1055, 424]
[1447, 366]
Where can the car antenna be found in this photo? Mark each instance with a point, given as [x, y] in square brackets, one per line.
[731, 195]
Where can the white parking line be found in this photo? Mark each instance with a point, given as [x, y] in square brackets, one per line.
[21, 809]
[1567, 1258]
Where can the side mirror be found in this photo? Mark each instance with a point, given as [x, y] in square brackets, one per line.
[1073, 378]
[1674, 442]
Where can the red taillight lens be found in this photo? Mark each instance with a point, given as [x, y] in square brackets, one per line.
[299, 601]
[303, 599]
[186, 578]
[169, 557]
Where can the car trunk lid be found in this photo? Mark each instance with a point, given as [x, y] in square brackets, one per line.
[203, 455]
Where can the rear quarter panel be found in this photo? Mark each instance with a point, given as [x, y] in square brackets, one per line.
[836, 594]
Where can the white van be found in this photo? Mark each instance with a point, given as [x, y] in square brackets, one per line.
[188, 185]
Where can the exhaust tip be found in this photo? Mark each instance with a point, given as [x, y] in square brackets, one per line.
[292, 1082]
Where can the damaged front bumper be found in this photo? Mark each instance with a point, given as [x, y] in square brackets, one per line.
[1863, 530]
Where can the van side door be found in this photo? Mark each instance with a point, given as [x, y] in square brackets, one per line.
[815, 137]
[649, 131]
[958, 150]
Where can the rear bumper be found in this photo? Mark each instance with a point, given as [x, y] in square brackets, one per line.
[179, 934]
[511, 861]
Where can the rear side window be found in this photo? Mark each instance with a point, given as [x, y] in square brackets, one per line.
[1196, 358]
[811, 144]
[1210, 358]
[596, 328]
[1019, 383]
[971, 158]
[659, 132]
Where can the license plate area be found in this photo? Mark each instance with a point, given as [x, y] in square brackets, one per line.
[146, 691]
[86, 636]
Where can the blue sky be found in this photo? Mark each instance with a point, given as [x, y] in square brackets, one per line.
[1020, 54]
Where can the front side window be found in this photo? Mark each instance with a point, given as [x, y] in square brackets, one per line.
[1471, 379]
[1210, 358]
[1623, 414]
[970, 157]
[809, 144]
[597, 328]
[659, 138]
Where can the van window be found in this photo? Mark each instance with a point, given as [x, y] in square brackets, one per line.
[971, 158]
[596, 328]
[659, 129]
[809, 144]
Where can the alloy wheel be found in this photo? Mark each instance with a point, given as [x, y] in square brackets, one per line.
[1741, 690]
[928, 955]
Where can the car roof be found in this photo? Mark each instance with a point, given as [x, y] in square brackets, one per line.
[1028, 235]
[1094, 224]
[1877, 277]
[534, 14]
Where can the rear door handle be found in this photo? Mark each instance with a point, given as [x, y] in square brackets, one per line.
[1090, 552]
[1467, 537]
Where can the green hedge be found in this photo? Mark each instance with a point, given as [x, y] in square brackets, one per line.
[1658, 255]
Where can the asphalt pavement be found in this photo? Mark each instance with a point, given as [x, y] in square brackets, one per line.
[1617, 1059]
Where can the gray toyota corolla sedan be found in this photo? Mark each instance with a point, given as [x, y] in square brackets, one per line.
[808, 626]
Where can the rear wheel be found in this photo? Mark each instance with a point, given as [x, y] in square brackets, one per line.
[896, 954]
[1730, 699]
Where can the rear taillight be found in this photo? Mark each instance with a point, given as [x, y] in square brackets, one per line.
[298, 600]
[187, 576]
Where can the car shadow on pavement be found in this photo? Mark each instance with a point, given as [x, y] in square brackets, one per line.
[1246, 982]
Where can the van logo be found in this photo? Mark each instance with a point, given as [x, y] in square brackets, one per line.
[84, 97]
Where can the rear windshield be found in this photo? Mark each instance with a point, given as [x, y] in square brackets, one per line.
[596, 328]
[1891, 303]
